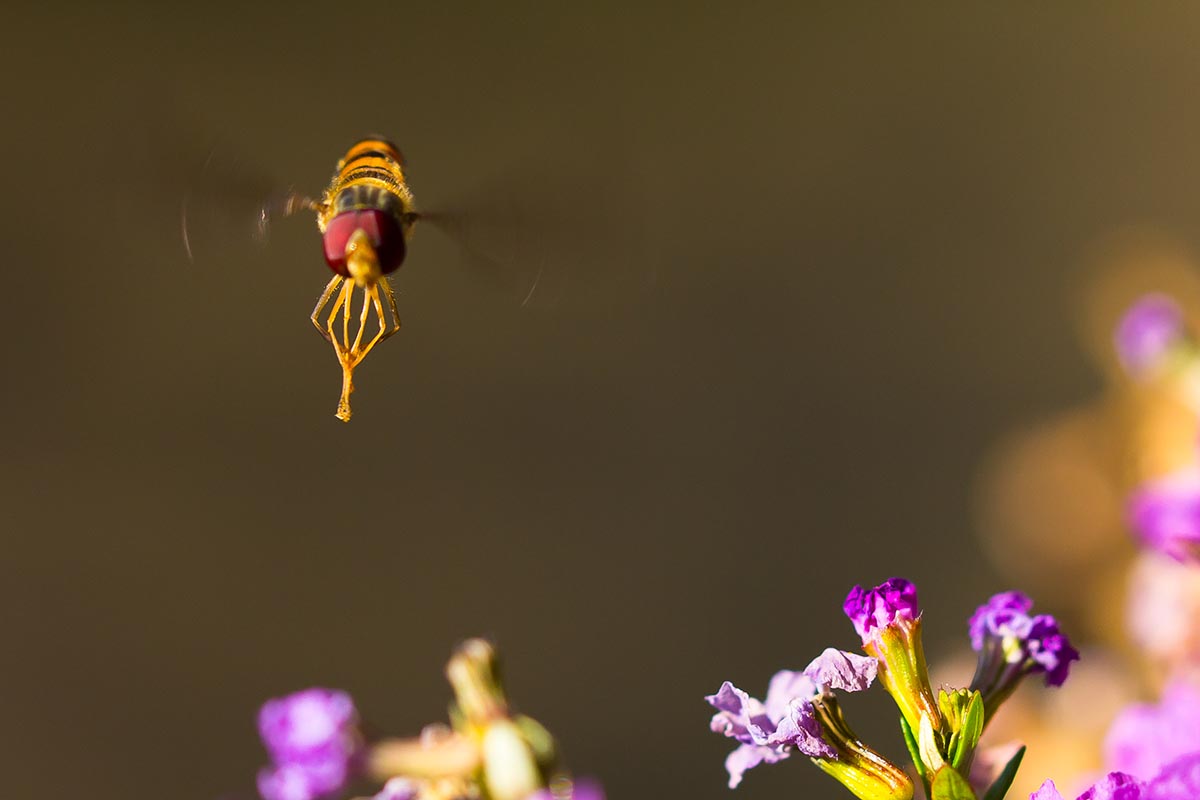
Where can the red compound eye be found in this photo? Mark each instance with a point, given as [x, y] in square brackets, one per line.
[381, 228]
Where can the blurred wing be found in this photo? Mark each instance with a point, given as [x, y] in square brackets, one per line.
[221, 202]
[556, 239]
[228, 207]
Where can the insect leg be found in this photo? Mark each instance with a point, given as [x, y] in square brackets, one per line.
[387, 289]
[333, 313]
[343, 412]
[334, 282]
[362, 322]
[348, 297]
[371, 297]
[345, 357]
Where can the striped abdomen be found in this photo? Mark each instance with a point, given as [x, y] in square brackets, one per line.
[368, 192]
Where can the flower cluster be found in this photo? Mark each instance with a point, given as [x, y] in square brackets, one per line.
[1152, 751]
[318, 752]
[1012, 644]
[801, 712]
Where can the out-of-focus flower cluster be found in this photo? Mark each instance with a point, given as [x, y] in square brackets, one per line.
[1143, 442]
[318, 751]
[1154, 343]
[801, 712]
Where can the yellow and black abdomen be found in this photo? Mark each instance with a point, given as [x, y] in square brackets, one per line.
[368, 192]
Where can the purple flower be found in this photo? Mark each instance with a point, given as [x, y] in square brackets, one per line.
[1027, 644]
[313, 740]
[768, 736]
[302, 781]
[1150, 329]
[769, 731]
[1145, 737]
[1178, 780]
[890, 603]
[1003, 613]
[584, 789]
[1166, 514]
[888, 618]
[1114, 786]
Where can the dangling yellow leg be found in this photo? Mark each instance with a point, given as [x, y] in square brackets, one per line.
[350, 353]
[334, 283]
[387, 289]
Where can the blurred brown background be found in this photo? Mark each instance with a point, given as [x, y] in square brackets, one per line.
[864, 233]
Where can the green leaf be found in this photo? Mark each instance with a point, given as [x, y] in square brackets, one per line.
[1000, 788]
[949, 785]
[968, 735]
[914, 752]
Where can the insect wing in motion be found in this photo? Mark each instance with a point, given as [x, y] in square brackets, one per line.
[556, 239]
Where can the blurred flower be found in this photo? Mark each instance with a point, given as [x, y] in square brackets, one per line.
[516, 751]
[1178, 780]
[316, 748]
[1146, 737]
[313, 740]
[1011, 644]
[1163, 610]
[1148, 332]
[580, 790]
[888, 618]
[1166, 514]
[1115, 786]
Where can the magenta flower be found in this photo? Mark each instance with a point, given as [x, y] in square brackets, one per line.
[888, 618]
[891, 603]
[584, 789]
[313, 740]
[1114, 786]
[1178, 780]
[1145, 737]
[768, 732]
[1150, 329]
[1165, 513]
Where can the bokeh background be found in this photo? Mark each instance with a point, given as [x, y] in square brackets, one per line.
[826, 261]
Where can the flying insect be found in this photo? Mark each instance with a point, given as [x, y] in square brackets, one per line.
[537, 244]
[366, 217]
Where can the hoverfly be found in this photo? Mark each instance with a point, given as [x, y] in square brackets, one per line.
[366, 216]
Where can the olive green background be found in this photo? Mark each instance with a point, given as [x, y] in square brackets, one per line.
[822, 256]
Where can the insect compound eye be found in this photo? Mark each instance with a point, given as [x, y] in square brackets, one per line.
[382, 229]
